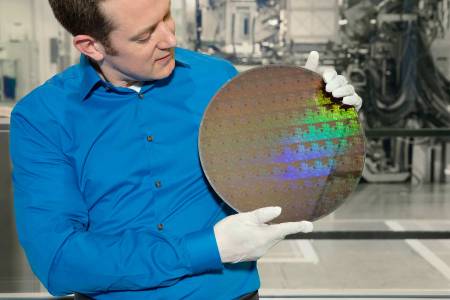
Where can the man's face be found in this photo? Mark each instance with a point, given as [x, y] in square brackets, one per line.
[143, 39]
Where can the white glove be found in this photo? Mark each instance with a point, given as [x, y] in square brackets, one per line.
[335, 84]
[246, 237]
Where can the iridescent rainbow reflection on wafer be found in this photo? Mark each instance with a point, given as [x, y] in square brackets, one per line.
[273, 136]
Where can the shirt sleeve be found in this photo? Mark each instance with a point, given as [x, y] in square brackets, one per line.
[231, 70]
[53, 224]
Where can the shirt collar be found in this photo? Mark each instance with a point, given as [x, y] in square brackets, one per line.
[91, 79]
[180, 59]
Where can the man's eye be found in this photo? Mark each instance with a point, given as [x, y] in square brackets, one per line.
[143, 40]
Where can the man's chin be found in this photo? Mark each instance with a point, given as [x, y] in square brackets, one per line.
[165, 71]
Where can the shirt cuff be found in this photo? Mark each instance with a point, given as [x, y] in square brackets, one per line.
[203, 252]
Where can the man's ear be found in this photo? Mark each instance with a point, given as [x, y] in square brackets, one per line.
[88, 46]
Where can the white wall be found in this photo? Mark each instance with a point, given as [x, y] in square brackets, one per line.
[312, 21]
[45, 28]
[26, 27]
[15, 11]
[183, 12]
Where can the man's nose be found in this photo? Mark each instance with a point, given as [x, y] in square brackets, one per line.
[167, 37]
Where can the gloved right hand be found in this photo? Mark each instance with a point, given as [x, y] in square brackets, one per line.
[246, 237]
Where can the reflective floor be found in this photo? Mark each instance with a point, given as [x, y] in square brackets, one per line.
[391, 268]
[324, 269]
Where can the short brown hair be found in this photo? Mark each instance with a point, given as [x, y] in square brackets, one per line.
[84, 17]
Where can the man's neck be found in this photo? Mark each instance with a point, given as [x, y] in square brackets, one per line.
[119, 83]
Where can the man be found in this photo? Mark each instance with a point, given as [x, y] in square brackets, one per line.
[110, 198]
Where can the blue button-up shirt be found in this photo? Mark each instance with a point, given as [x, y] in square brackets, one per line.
[109, 193]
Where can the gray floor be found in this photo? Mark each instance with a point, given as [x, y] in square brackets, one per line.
[369, 267]
[344, 269]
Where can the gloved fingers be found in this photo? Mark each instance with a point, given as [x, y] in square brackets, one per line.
[283, 229]
[335, 83]
[312, 63]
[343, 91]
[329, 75]
[263, 215]
[353, 100]
[238, 259]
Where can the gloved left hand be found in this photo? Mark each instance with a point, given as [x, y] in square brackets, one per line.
[245, 236]
[335, 84]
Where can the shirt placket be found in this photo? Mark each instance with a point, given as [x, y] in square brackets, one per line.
[151, 139]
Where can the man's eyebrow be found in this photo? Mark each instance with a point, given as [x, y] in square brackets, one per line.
[148, 29]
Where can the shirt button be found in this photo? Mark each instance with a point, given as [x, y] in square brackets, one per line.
[158, 184]
[149, 138]
[160, 226]
[141, 96]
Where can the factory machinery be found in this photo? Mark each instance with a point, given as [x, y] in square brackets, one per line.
[395, 52]
[397, 55]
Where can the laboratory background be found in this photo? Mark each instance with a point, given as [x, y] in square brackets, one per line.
[391, 237]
